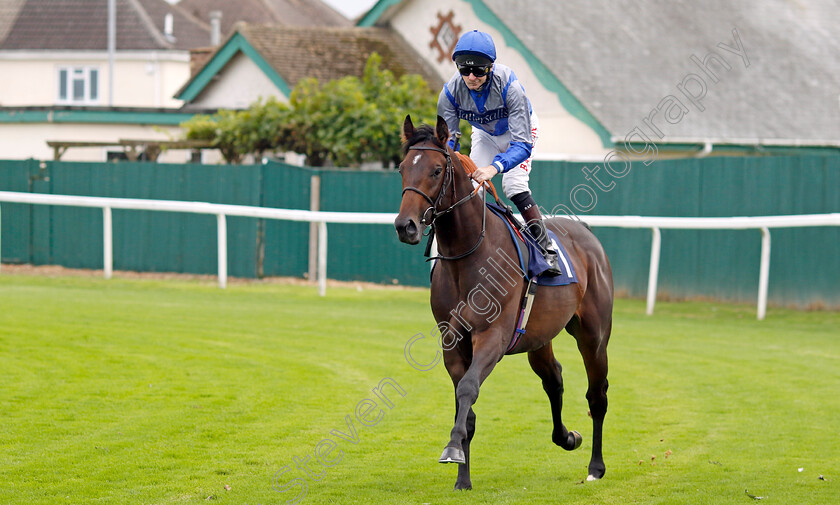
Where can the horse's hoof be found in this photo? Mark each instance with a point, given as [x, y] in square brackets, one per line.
[596, 471]
[463, 487]
[578, 439]
[453, 455]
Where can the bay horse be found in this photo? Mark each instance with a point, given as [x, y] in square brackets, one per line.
[477, 312]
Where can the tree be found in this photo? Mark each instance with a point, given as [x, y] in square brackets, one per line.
[350, 121]
[347, 121]
[257, 129]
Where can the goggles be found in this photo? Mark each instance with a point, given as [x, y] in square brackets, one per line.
[479, 71]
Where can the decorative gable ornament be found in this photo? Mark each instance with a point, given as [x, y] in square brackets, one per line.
[444, 36]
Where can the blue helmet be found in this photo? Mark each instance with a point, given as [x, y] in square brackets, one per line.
[476, 43]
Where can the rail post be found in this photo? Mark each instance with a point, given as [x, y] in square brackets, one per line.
[222, 244]
[322, 258]
[653, 274]
[107, 243]
[764, 273]
[314, 205]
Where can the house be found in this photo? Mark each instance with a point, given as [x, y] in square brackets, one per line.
[263, 12]
[57, 84]
[258, 61]
[690, 78]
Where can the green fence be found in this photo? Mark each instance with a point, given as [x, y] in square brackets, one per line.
[805, 267]
[719, 264]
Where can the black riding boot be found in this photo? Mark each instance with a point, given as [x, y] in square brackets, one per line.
[533, 219]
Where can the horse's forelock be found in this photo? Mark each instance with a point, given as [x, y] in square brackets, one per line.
[423, 133]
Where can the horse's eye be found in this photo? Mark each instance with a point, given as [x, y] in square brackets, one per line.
[437, 170]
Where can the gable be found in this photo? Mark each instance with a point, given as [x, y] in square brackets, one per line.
[240, 83]
[237, 44]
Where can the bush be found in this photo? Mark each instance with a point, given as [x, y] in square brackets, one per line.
[347, 121]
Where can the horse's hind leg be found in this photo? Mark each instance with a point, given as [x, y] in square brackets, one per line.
[592, 332]
[549, 370]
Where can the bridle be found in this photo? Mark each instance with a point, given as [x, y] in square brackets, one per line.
[432, 213]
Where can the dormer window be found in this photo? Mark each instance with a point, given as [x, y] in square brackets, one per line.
[78, 85]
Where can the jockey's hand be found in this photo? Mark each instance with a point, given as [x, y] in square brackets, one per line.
[484, 174]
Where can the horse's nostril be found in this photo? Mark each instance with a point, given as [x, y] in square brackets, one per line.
[407, 230]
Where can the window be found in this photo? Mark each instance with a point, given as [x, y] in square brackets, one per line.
[78, 85]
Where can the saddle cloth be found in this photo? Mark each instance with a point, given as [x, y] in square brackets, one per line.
[530, 254]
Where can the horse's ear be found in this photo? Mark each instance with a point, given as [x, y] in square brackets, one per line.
[408, 128]
[442, 131]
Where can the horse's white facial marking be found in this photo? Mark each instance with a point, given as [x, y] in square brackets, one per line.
[417, 158]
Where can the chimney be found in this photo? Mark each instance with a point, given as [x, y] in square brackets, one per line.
[168, 27]
[215, 28]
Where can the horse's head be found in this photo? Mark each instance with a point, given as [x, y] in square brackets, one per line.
[425, 167]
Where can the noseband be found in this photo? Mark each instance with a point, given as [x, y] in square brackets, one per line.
[448, 178]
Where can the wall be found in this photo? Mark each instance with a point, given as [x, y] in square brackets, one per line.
[143, 78]
[240, 84]
[29, 140]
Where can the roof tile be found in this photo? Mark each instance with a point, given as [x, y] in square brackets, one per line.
[332, 53]
[621, 58]
[278, 12]
[83, 25]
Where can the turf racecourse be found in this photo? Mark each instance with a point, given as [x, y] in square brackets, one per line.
[173, 391]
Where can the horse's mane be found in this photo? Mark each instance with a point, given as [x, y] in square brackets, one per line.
[423, 133]
[467, 162]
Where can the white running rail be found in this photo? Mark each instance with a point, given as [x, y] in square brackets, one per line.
[221, 212]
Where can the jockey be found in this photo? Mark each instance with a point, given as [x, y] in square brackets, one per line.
[504, 126]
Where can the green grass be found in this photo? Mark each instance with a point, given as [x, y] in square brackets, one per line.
[155, 392]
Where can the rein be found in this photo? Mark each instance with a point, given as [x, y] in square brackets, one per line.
[448, 178]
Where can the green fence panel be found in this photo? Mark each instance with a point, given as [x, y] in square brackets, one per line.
[369, 252]
[152, 240]
[15, 224]
[721, 264]
[285, 244]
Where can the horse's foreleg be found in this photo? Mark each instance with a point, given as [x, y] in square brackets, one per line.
[463, 481]
[486, 353]
[457, 366]
[549, 370]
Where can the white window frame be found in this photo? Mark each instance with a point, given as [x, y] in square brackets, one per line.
[71, 73]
